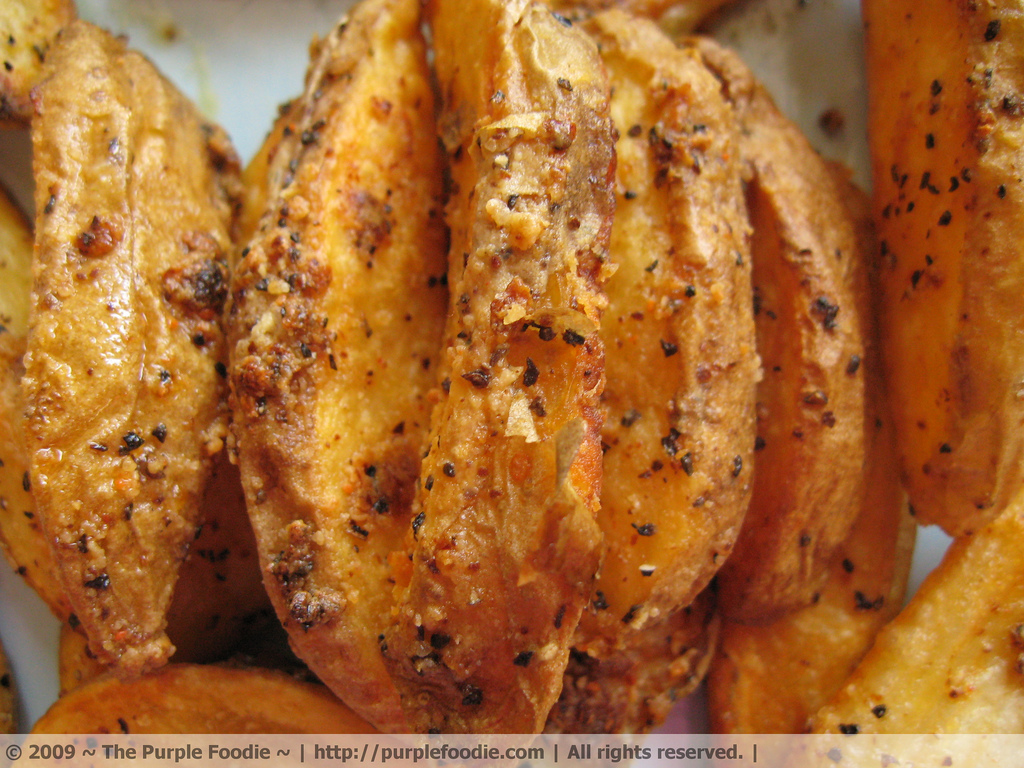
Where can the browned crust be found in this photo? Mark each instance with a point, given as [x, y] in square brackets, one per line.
[28, 29]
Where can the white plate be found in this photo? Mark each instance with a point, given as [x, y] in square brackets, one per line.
[238, 59]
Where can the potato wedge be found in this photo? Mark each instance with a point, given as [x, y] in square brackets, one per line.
[8, 699]
[945, 142]
[772, 678]
[953, 660]
[676, 17]
[189, 698]
[76, 664]
[634, 689]
[810, 405]
[21, 534]
[506, 541]
[28, 29]
[679, 337]
[338, 310]
[123, 372]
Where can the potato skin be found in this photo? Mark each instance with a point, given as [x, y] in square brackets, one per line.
[339, 303]
[507, 546]
[190, 698]
[809, 453]
[125, 403]
[945, 137]
[772, 678]
[951, 662]
[28, 28]
[679, 337]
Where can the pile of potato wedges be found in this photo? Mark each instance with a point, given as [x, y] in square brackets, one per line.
[535, 370]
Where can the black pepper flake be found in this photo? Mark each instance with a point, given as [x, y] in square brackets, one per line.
[357, 529]
[522, 658]
[600, 602]
[691, 291]
[865, 604]
[631, 614]
[668, 348]
[560, 616]
[417, 523]
[73, 621]
[564, 84]
[827, 311]
[531, 374]
[572, 338]
[759, 443]
[1002, 191]
[954, 184]
[199, 340]
[479, 378]
[849, 728]
[26, 482]
[929, 141]
[631, 195]
[122, 724]
[737, 466]
[429, 482]
[332, 362]
[380, 506]
[669, 442]
[48, 208]
[165, 376]
[473, 696]
[128, 510]
[304, 350]
[101, 582]
[945, 448]
[446, 385]
[879, 711]
[131, 442]
[439, 640]
[915, 277]
[926, 180]
[647, 529]
[448, 469]
[936, 87]
[631, 417]
[853, 366]
[687, 462]
[95, 446]
[805, 540]
[160, 432]
[945, 218]
[221, 369]
[992, 30]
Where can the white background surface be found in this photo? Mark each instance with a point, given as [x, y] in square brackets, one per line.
[238, 59]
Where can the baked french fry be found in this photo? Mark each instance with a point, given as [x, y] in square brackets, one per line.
[506, 541]
[945, 136]
[28, 29]
[679, 337]
[123, 379]
[633, 689]
[953, 660]
[336, 322]
[809, 454]
[190, 698]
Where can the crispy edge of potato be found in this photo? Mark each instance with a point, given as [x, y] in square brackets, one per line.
[97, 220]
[675, 17]
[681, 362]
[191, 698]
[945, 133]
[330, 487]
[28, 29]
[952, 661]
[633, 689]
[507, 545]
[809, 455]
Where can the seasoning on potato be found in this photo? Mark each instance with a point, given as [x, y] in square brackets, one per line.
[28, 28]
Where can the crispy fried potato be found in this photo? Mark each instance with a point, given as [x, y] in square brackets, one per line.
[76, 664]
[124, 398]
[771, 679]
[679, 336]
[28, 29]
[634, 689]
[338, 310]
[953, 660]
[8, 699]
[506, 541]
[810, 405]
[21, 535]
[945, 131]
[676, 17]
[189, 698]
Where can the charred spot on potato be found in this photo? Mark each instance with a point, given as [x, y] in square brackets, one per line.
[99, 239]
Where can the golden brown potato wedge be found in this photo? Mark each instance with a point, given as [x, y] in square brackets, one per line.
[28, 29]
[338, 310]
[945, 130]
[953, 660]
[676, 17]
[21, 535]
[810, 404]
[8, 699]
[506, 541]
[189, 698]
[123, 372]
[679, 337]
[76, 664]
[634, 689]
[772, 678]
